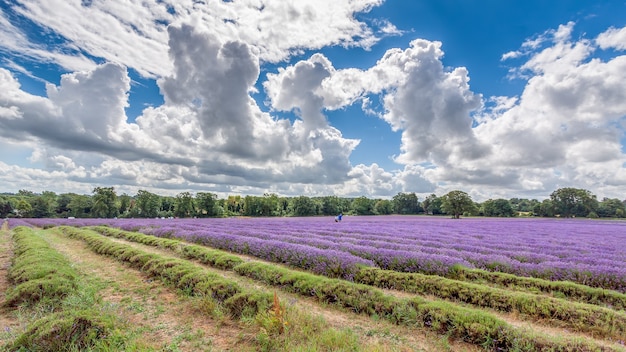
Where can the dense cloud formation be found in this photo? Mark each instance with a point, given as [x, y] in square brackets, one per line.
[211, 134]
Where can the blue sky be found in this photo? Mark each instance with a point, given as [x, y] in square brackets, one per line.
[370, 97]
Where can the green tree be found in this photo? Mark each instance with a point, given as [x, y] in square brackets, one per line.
[207, 203]
[104, 202]
[6, 208]
[456, 203]
[148, 204]
[167, 206]
[383, 207]
[125, 202]
[303, 206]
[24, 209]
[40, 207]
[234, 205]
[611, 207]
[270, 205]
[568, 202]
[23, 193]
[406, 203]
[330, 205]
[544, 209]
[362, 206]
[497, 207]
[80, 205]
[184, 206]
[432, 205]
[62, 208]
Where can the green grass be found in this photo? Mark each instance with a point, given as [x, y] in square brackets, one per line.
[178, 273]
[61, 311]
[37, 271]
[561, 289]
[279, 328]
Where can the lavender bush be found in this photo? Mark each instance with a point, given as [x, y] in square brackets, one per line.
[591, 252]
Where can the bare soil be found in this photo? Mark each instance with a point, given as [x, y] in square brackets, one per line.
[9, 323]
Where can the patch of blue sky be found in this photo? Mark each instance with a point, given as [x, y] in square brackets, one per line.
[144, 93]
[378, 141]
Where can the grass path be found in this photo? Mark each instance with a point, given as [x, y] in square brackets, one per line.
[163, 319]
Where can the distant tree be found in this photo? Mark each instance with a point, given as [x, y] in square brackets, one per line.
[432, 205]
[362, 206]
[330, 205]
[6, 208]
[104, 202]
[184, 206]
[283, 206]
[206, 203]
[406, 203]
[611, 207]
[497, 207]
[544, 209]
[125, 202]
[22, 193]
[523, 205]
[147, 204]
[303, 206]
[80, 205]
[40, 207]
[234, 205]
[62, 208]
[456, 203]
[568, 202]
[383, 207]
[24, 209]
[167, 206]
[270, 205]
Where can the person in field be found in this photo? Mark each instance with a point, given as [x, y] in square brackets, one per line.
[338, 217]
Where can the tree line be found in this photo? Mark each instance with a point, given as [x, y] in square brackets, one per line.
[104, 202]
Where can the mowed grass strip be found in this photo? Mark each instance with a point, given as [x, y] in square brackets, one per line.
[585, 318]
[181, 274]
[44, 281]
[37, 271]
[597, 321]
[471, 325]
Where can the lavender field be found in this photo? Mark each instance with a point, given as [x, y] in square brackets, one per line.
[589, 252]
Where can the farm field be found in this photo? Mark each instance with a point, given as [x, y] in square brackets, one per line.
[387, 283]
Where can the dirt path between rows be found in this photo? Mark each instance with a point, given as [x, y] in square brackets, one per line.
[9, 324]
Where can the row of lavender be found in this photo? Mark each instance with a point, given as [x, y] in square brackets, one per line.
[586, 251]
